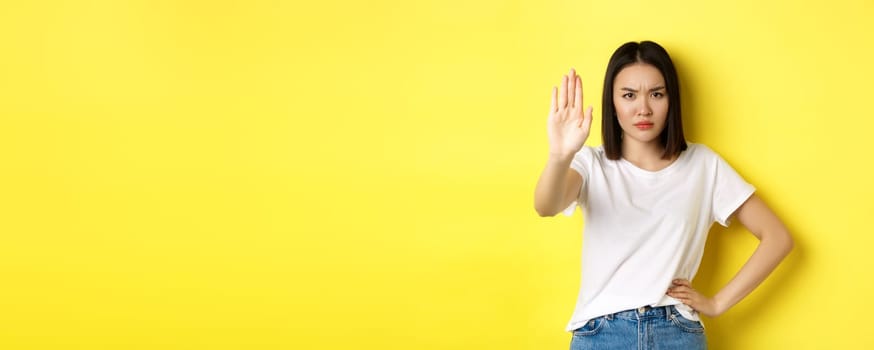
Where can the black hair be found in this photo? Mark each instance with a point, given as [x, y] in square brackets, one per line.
[647, 52]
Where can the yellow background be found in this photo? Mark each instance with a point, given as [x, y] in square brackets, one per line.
[335, 174]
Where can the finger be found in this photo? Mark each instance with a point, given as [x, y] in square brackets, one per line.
[680, 295]
[682, 282]
[587, 119]
[681, 289]
[683, 300]
[578, 92]
[562, 97]
[553, 106]
[571, 88]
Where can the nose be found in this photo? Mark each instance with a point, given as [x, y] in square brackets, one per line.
[644, 109]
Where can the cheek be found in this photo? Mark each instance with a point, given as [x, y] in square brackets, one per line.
[663, 104]
[624, 112]
[662, 110]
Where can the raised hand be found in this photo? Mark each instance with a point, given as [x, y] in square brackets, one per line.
[567, 127]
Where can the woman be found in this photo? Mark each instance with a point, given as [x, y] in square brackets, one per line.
[649, 199]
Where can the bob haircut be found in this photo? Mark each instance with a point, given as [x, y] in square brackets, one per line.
[646, 52]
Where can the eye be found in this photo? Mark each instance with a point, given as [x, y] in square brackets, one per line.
[658, 94]
[628, 95]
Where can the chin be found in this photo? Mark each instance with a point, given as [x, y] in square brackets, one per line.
[644, 136]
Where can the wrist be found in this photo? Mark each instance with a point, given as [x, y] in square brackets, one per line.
[561, 157]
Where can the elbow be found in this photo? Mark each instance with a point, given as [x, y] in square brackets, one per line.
[542, 207]
[785, 242]
[789, 243]
[780, 242]
[543, 212]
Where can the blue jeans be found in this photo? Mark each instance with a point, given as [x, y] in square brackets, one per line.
[638, 329]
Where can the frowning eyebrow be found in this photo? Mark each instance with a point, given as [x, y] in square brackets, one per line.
[657, 88]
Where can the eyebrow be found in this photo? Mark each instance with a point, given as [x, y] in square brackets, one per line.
[650, 90]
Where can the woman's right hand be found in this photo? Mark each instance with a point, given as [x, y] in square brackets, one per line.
[566, 127]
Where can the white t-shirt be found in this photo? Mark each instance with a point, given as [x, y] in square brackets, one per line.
[644, 229]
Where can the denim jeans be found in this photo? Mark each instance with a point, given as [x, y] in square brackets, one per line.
[644, 328]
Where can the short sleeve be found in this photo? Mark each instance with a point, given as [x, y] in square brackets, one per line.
[581, 163]
[729, 193]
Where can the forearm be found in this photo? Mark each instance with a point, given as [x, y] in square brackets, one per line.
[769, 253]
[550, 188]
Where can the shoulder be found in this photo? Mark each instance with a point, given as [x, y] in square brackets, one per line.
[699, 148]
[588, 157]
[704, 156]
[593, 152]
[700, 152]
[591, 155]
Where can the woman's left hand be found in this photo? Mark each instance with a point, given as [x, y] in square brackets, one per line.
[682, 290]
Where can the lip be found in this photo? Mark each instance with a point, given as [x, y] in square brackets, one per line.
[644, 125]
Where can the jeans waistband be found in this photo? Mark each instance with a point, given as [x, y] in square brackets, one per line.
[644, 312]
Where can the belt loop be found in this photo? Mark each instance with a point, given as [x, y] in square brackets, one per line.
[609, 317]
[668, 312]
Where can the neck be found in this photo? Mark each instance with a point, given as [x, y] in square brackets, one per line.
[645, 155]
[641, 151]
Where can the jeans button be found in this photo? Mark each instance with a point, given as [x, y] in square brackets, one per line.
[641, 310]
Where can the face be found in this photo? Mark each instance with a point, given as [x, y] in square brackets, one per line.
[641, 102]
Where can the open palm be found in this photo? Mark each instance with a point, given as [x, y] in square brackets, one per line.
[567, 127]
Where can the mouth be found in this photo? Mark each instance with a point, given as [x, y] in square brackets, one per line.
[644, 125]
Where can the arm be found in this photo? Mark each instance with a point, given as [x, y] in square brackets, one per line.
[774, 244]
[567, 128]
[558, 186]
